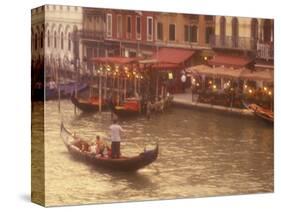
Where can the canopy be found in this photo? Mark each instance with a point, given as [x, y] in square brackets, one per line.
[258, 75]
[227, 60]
[218, 71]
[171, 57]
[241, 73]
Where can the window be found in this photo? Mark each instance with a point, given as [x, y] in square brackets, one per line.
[48, 38]
[222, 30]
[208, 33]
[55, 39]
[186, 33]
[149, 28]
[129, 26]
[138, 26]
[42, 40]
[61, 40]
[69, 42]
[109, 25]
[190, 33]
[35, 41]
[194, 32]
[119, 26]
[235, 32]
[254, 29]
[159, 31]
[172, 32]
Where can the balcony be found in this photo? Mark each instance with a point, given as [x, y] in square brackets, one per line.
[92, 35]
[229, 42]
[265, 51]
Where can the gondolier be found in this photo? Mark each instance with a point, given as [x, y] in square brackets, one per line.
[115, 131]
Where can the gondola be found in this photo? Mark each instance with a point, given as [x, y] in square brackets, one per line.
[90, 105]
[65, 90]
[260, 112]
[121, 164]
[130, 107]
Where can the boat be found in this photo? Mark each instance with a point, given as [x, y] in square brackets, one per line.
[65, 90]
[260, 112]
[90, 105]
[123, 163]
[131, 107]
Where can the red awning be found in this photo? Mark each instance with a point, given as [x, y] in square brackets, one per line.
[115, 60]
[229, 61]
[172, 55]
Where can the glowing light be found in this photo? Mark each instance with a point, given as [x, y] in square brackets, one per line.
[245, 86]
[265, 88]
[210, 82]
[214, 86]
[250, 91]
[269, 93]
[141, 77]
[98, 71]
[197, 84]
[205, 58]
[134, 73]
[231, 89]
[193, 80]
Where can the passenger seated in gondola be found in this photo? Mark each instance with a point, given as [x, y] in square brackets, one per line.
[82, 145]
[100, 146]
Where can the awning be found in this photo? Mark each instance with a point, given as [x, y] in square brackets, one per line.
[170, 58]
[229, 61]
[172, 55]
[115, 60]
[218, 71]
[241, 73]
[267, 76]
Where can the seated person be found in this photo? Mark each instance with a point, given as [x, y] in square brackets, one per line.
[100, 146]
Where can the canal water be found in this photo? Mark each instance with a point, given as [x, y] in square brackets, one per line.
[202, 153]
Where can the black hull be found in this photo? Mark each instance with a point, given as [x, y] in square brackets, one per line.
[127, 164]
[85, 107]
[126, 113]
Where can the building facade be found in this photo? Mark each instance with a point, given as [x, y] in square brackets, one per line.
[251, 37]
[52, 32]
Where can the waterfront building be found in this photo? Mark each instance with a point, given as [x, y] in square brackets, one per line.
[52, 34]
[249, 38]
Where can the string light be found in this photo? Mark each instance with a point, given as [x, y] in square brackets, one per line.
[269, 93]
[265, 88]
[250, 91]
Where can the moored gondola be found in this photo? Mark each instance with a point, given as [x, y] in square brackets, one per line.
[129, 108]
[260, 112]
[89, 106]
[65, 90]
[121, 164]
